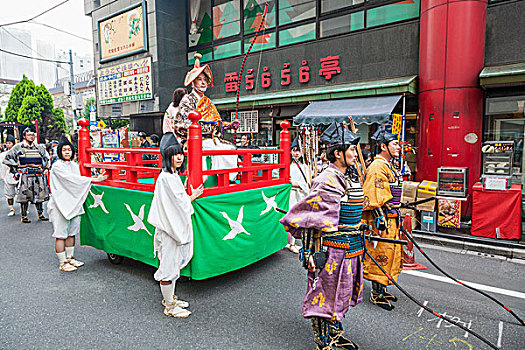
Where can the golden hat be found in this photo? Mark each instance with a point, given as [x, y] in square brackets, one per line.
[197, 70]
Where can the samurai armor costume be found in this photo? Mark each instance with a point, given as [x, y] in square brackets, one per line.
[332, 211]
[33, 185]
[383, 185]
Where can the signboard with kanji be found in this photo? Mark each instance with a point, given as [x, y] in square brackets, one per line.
[248, 122]
[123, 33]
[125, 82]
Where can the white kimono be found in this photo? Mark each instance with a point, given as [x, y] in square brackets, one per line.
[170, 213]
[296, 194]
[9, 178]
[69, 190]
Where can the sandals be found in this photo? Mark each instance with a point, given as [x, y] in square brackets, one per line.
[73, 261]
[379, 299]
[389, 296]
[180, 303]
[25, 220]
[172, 310]
[11, 212]
[293, 248]
[41, 217]
[66, 267]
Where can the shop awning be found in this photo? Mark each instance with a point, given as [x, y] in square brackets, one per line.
[389, 86]
[504, 75]
[366, 110]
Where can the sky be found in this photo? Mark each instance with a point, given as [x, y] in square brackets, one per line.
[68, 17]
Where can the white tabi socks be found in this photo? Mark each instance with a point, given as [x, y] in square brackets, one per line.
[168, 290]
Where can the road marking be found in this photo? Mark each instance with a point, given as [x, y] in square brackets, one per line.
[500, 334]
[472, 284]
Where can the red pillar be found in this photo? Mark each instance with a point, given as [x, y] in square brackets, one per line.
[83, 144]
[194, 151]
[285, 146]
[451, 56]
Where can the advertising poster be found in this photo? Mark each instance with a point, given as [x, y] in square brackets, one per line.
[123, 34]
[449, 213]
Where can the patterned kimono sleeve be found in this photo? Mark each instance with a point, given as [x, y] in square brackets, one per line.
[318, 210]
[376, 187]
[11, 157]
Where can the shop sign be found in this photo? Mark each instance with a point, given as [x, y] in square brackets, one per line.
[123, 33]
[328, 67]
[125, 82]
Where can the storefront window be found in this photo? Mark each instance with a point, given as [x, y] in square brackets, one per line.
[392, 13]
[264, 41]
[297, 34]
[253, 15]
[200, 23]
[505, 121]
[342, 24]
[206, 56]
[331, 5]
[226, 18]
[227, 50]
[296, 10]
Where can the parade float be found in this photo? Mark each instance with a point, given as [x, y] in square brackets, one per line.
[235, 223]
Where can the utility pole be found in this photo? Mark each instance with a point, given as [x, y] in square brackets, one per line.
[73, 96]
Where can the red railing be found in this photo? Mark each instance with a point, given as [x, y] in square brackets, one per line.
[128, 173]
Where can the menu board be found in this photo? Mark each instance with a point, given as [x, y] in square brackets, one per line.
[125, 82]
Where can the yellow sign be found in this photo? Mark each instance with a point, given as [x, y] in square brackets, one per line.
[101, 125]
[123, 33]
[397, 122]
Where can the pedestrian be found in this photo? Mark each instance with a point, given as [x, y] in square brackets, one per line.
[68, 192]
[170, 214]
[31, 162]
[169, 124]
[367, 157]
[8, 175]
[328, 220]
[300, 178]
[144, 143]
[382, 187]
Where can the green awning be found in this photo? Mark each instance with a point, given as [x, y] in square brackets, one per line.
[504, 75]
[363, 88]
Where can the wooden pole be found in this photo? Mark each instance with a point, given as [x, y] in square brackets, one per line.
[285, 146]
[194, 152]
[362, 170]
[83, 144]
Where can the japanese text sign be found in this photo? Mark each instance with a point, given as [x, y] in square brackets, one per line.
[125, 82]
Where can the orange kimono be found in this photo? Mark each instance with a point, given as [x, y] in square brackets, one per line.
[382, 185]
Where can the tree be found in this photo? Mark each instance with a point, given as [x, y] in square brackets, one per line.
[89, 102]
[29, 110]
[24, 88]
[45, 99]
[55, 124]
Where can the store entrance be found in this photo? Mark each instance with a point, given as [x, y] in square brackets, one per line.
[513, 130]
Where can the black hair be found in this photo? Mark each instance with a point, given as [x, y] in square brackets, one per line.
[49, 147]
[167, 158]
[178, 94]
[366, 154]
[330, 152]
[59, 151]
[154, 138]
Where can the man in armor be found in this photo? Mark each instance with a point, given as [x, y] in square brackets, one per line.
[31, 163]
[328, 221]
[382, 188]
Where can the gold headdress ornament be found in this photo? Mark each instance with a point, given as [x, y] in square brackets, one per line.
[197, 70]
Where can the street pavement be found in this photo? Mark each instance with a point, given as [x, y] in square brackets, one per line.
[259, 307]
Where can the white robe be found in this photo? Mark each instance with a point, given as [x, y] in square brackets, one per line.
[5, 173]
[69, 190]
[219, 162]
[297, 194]
[170, 214]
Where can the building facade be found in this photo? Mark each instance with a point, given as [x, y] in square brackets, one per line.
[457, 66]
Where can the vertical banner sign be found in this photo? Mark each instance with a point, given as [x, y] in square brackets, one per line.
[123, 33]
[125, 82]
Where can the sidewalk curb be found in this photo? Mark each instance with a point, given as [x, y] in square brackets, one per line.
[508, 252]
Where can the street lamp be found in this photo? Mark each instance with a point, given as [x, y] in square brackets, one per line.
[35, 123]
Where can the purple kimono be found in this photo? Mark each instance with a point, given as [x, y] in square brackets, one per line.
[337, 286]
